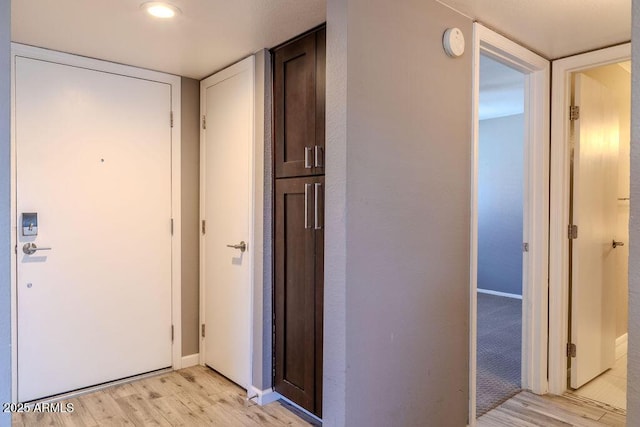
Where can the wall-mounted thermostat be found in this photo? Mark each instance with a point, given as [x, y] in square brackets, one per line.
[453, 42]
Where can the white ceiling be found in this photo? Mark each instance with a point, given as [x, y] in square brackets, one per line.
[501, 90]
[211, 34]
[553, 28]
[206, 37]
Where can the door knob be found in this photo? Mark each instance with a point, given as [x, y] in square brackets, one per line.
[616, 244]
[31, 248]
[242, 246]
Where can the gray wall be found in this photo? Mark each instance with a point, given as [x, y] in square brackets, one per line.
[335, 243]
[633, 370]
[404, 187]
[5, 218]
[190, 188]
[500, 187]
[263, 296]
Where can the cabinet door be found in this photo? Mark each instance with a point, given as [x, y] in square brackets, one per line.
[298, 292]
[299, 73]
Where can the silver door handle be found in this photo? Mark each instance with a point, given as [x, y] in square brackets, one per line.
[307, 157]
[31, 248]
[318, 157]
[616, 244]
[242, 246]
[307, 188]
[316, 221]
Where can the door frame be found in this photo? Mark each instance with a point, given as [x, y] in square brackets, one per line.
[20, 50]
[559, 202]
[535, 210]
[256, 183]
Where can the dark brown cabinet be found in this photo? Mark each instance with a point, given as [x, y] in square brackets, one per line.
[299, 106]
[299, 272]
[299, 120]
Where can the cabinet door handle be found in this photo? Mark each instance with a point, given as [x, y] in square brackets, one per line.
[317, 225]
[319, 157]
[307, 157]
[307, 188]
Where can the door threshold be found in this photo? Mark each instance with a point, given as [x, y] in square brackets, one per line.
[571, 395]
[300, 411]
[86, 390]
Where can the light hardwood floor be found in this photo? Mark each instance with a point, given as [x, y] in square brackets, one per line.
[194, 396]
[527, 409]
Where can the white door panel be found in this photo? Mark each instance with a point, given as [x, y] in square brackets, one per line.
[93, 159]
[227, 151]
[595, 179]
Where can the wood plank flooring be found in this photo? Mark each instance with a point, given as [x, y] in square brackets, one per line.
[194, 396]
[527, 409]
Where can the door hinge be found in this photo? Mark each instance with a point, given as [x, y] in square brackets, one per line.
[15, 249]
[203, 330]
[574, 112]
[172, 226]
[171, 118]
[204, 122]
[204, 227]
[525, 247]
[573, 231]
[171, 333]
[571, 350]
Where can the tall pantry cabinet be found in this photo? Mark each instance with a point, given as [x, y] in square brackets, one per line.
[299, 134]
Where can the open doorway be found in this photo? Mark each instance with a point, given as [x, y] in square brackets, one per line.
[589, 203]
[500, 233]
[599, 233]
[514, 179]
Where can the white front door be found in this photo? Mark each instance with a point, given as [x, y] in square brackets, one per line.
[595, 177]
[226, 207]
[93, 161]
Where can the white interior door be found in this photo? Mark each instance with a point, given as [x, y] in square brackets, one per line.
[227, 152]
[595, 179]
[93, 160]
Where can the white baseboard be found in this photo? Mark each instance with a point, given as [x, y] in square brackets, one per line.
[191, 360]
[264, 397]
[621, 346]
[500, 294]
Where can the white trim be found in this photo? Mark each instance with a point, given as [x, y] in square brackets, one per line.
[535, 215]
[255, 217]
[176, 248]
[264, 397]
[622, 345]
[559, 204]
[473, 261]
[498, 294]
[190, 360]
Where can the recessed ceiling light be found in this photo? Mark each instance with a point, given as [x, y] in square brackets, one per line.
[160, 9]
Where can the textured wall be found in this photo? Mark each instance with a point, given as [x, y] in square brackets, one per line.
[190, 158]
[334, 359]
[5, 203]
[404, 186]
[262, 307]
[633, 370]
[500, 188]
